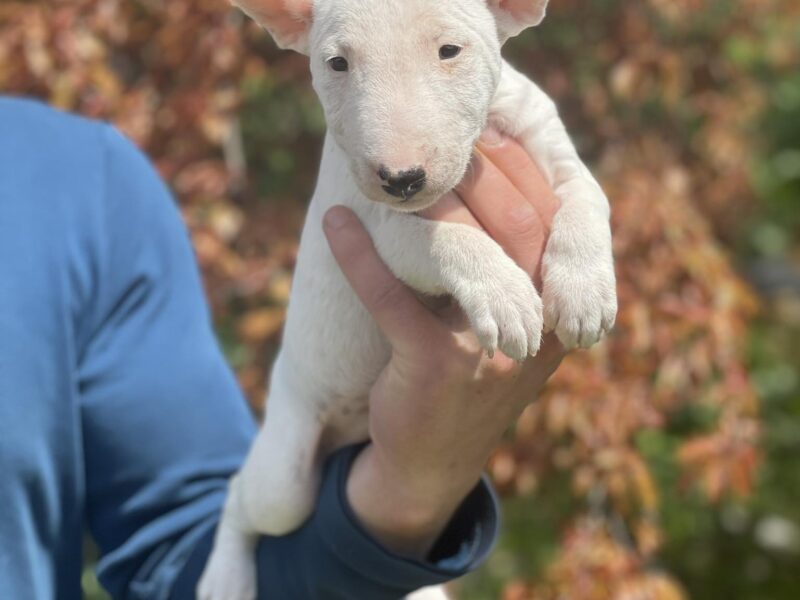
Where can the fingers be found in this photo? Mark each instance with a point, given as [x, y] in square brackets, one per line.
[451, 208]
[536, 371]
[502, 209]
[511, 158]
[398, 312]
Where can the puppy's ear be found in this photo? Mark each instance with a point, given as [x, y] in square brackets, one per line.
[288, 21]
[514, 16]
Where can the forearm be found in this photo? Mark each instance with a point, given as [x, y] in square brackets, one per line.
[333, 555]
[406, 512]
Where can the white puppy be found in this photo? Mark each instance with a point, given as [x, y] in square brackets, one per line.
[407, 87]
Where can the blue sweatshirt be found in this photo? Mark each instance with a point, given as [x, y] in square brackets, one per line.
[118, 413]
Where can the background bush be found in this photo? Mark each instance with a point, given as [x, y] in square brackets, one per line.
[663, 463]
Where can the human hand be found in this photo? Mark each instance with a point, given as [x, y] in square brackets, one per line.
[441, 406]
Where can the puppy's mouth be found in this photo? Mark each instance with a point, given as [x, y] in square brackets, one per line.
[406, 194]
[412, 206]
[412, 197]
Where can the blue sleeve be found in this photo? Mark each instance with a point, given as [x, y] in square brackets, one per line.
[165, 426]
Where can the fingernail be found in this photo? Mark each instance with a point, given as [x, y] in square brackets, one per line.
[336, 218]
[491, 137]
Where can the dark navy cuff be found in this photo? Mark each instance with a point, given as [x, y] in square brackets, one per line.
[464, 545]
[332, 557]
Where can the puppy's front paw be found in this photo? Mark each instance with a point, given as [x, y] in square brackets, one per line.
[580, 290]
[504, 309]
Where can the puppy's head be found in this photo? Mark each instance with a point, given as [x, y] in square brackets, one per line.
[405, 84]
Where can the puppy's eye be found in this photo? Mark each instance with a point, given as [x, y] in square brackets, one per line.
[339, 63]
[449, 51]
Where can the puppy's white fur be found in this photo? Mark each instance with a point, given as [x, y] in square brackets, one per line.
[399, 107]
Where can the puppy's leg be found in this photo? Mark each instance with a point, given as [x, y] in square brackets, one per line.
[498, 298]
[579, 295]
[273, 494]
[230, 573]
[279, 480]
[430, 593]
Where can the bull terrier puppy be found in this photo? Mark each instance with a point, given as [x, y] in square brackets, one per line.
[407, 87]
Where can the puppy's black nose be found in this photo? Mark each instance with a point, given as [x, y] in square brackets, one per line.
[404, 184]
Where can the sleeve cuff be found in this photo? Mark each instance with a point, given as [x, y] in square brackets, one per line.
[332, 557]
[463, 547]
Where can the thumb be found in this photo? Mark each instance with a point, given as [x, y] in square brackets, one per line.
[398, 312]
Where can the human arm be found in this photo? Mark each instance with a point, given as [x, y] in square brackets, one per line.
[441, 406]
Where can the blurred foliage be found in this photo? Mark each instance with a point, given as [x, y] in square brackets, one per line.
[649, 470]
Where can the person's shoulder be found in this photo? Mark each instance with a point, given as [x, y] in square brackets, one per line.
[40, 136]
[14, 108]
[65, 177]
[29, 122]
[43, 149]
